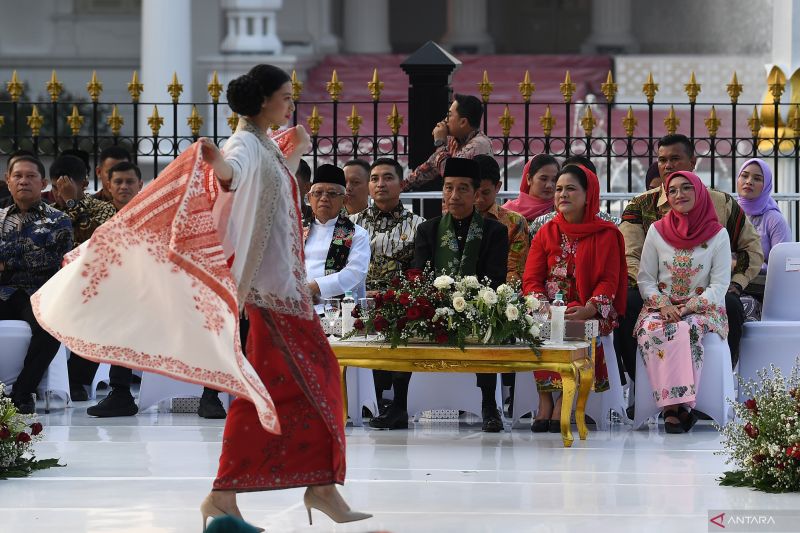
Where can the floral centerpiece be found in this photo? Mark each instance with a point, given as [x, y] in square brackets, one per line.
[764, 440]
[18, 434]
[450, 311]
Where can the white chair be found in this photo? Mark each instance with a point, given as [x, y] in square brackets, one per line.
[100, 376]
[360, 394]
[714, 389]
[156, 388]
[446, 390]
[599, 404]
[776, 339]
[15, 338]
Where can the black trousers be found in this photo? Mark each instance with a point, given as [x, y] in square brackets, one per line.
[625, 342]
[400, 380]
[43, 346]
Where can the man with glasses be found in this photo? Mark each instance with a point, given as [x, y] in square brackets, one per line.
[336, 250]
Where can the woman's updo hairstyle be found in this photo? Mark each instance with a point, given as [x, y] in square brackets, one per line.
[246, 93]
[539, 161]
[575, 170]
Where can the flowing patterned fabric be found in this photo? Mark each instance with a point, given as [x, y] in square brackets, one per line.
[454, 258]
[696, 278]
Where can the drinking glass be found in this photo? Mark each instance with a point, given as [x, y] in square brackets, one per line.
[332, 308]
[366, 305]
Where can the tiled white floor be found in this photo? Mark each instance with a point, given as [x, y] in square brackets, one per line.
[149, 473]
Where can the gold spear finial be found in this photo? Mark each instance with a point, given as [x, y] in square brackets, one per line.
[215, 88]
[297, 86]
[588, 121]
[712, 122]
[135, 88]
[75, 121]
[629, 122]
[233, 121]
[672, 121]
[567, 88]
[115, 121]
[506, 121]
[485, 87]
[195, 121]
[609, 88]
[175, 88]
[776, 82]
[155, 121]
[754, 122]
[793, 120]
[692, 89]
[54, 87]
[35, 121]
[526, 88]
[354, 120]
[94, 87]
[14, 87]
[394, 120]
[334, 87]
[314, 121]
[375, 86]
[650, 88]
[547, 121]
[734, 88]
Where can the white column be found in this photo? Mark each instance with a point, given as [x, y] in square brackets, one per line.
[612, 30]
[467, 28]
[320, 24]
[366, 27]
[166, 49]
[250, 27]
[786, 35]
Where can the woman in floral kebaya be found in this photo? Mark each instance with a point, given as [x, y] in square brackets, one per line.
[684, 273]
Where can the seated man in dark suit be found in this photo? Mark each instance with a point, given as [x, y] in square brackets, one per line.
[479, 247]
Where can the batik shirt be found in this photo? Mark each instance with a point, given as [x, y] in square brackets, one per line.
[87, 215]
[32, 245]
[518, 241]
[391, 239]
[476, 143]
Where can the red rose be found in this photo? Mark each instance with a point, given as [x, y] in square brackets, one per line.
[23, 437]
[422, 301]
[751, 430]
[380, 323]
[793, 451]
[759, 458]
[401, 323]
[358, 324]
[428, 312]
[36, 428]
[4, 432]
[395, 282]
[780, 466]
[413, 274]
[378, 301]
[751, 405]
[413, 313]
[441, 337]
[388, 296]
[356, 312]
[405, 298]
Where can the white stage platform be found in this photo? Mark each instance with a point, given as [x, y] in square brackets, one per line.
[149, 473]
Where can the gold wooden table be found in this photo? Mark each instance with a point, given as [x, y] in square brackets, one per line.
[571, 359]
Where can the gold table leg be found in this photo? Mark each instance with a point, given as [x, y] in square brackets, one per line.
[568, 385]
[343, 371]
[585, 378]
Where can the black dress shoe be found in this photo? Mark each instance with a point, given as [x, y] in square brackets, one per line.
[491, 420]
[554, 426]
[25, 403]
[78, 393]
[540, 426]
[119, 402]
[211, 407]
[391, 419]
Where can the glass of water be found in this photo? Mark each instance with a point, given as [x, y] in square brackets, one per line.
[332, 308]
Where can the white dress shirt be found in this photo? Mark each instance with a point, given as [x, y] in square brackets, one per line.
[352, 277]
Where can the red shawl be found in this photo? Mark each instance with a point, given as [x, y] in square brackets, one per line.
[526, 205]
[598, 238]
[684, 232]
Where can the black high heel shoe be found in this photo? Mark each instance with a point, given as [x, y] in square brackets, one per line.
[671, 427]
[540, 426]
[554, 425]
[688, 419]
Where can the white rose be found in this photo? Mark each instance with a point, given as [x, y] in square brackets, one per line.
[459, 304]
[532, 303]
[458, 294]
[488, 296]
[505, 291]
[534, 331]
[471, 282]
[512, 313]
[443, 282]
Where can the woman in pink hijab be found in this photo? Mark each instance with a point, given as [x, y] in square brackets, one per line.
[537, 188]
[684, 273]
